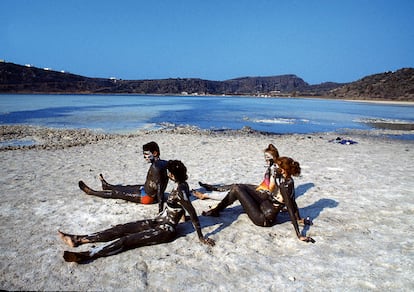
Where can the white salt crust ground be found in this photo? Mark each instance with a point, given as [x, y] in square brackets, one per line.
[361, 199]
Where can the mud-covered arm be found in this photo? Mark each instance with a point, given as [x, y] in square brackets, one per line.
[284, 190]
[287, 191]
[160, 196]
[290, 185]
[185, 202]
[161, 180]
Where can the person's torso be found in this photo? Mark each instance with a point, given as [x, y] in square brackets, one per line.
[265, 184]
[156, 177]
[174, 210]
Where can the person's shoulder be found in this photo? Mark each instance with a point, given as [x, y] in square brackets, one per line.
[160, 163]
[183, 186]
[289, 181]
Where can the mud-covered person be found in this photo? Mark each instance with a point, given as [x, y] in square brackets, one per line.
[151, 192]
[161, 229]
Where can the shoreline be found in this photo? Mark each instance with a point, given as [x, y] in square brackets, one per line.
[395, 102]
[15, 137]
[380, 101]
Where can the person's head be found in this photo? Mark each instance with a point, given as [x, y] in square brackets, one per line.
[151, 151]
[177, 170]
[288, 167]
[271, 154]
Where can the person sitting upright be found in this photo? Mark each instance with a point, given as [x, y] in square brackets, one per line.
[264, 202]
[151, 192]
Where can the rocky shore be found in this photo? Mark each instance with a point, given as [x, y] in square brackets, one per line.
[31, 137]
[14, 137]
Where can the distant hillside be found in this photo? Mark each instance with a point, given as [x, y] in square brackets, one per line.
[22, 79]
[25, 79]
[398, 86]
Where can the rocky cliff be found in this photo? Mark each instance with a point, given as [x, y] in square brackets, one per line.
[398, 86]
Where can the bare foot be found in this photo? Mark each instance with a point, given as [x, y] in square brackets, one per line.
[211, 212]
[71, 256]
[105, 184]
[306, 239]
[200, 195]
[67, 238]
[85, 188]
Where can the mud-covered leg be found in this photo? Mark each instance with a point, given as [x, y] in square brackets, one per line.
[72, 256]
[218, 188]
[260, 211]
[103, 194]
[73, 240]
[112, 194]
[229, 199]
[105, 184]
[129, 189]
[134, 240]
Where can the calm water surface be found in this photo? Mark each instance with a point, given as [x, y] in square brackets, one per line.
[127, 113]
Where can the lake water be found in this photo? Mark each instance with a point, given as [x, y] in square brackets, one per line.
[127, 113]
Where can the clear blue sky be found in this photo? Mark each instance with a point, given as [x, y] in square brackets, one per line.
[318, 40]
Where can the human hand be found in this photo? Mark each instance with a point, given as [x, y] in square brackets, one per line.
[306, 239]
[276, 171]
[305, 221]
[273, 169]
[208, 241]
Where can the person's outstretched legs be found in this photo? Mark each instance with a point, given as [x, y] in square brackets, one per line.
[229, 199]
[218, 188]
[131, 189]
[261, 212]
[143, 238]
[115, 194]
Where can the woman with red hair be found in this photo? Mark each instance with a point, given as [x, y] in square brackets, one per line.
[263, 203]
